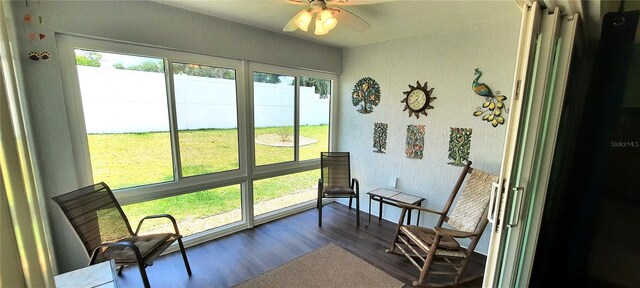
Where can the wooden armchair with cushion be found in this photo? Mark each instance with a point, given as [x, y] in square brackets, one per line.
[428, 247]
[106, 234]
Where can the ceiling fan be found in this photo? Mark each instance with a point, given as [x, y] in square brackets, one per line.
[327, 17]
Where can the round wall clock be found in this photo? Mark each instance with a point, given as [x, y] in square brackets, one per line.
[418, 99]
[366, 95]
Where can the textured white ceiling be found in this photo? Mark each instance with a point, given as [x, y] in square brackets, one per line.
[388, 20]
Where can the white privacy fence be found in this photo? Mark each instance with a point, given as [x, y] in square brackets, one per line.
[121, 101]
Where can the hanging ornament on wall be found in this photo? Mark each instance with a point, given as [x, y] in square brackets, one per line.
[366, 95]
[459, 146]
[415, 141]
[493, 106]
[380, 137]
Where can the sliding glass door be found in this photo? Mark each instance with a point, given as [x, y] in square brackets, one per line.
[546, 45]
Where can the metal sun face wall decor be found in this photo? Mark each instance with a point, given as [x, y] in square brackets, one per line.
[380, 137]
[418, 99]
[459, 146]
[415, 141]
[366, 95]
[492, 108]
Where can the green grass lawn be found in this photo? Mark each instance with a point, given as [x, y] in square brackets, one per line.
[132, 159]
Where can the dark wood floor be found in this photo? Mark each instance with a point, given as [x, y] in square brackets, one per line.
[232, 259]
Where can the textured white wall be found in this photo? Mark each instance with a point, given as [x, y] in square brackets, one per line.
[446, 60]
[136, 22]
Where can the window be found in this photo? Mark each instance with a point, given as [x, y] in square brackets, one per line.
[126, 118]
[207, 118]
[274, 112]
[315, 97]
[284, 191]
[195, 212]
[161, 127]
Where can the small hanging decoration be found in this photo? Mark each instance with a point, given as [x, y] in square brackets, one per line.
[380, 137]
[415, 141]
[366, 95]
[459, 146]
[418, 99]
[492, 108]
[34, 56]
[36, 38]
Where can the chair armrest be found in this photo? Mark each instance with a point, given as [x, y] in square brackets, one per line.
[127, 244]
[414, 207]
[355, 183]
[173, 220]
[453, 233]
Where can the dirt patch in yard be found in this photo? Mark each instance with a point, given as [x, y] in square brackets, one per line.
[282, 141]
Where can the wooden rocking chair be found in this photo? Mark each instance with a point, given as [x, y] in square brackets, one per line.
[427, 247]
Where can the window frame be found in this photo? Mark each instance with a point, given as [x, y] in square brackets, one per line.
[77, 129]
[247, 172]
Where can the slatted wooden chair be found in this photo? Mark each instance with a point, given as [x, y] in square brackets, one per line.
[106, 234]
[336, 181]
[427, 247]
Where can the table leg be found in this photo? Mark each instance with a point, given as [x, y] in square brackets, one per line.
[418, 220]
[369, 212]
[380, 212]
[409, 211]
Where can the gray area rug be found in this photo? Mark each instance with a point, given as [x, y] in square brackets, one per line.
[327, 266]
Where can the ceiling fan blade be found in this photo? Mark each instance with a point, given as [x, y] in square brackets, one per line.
[298, 2]
[354, 2]
[350, 20]
[291, 25]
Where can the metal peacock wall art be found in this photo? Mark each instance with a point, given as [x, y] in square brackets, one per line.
[493, 107]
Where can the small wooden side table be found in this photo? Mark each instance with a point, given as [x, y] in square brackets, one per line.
[393, 197]
[101, 275]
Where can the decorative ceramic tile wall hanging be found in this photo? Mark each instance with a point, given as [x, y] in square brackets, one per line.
[380, 137]
[415, 141]
[493, 106]
[366, 95]
[459, 146]
[418, 99]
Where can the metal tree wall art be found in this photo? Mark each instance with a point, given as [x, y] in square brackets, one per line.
[415, 141]
[366, 95]
[492, 108]
[459, 146]
[380, 137]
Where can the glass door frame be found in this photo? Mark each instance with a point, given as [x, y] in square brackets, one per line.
[530, 144]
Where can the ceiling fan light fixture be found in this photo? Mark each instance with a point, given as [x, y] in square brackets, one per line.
[303, 20]
[319, 27]
[328, 21]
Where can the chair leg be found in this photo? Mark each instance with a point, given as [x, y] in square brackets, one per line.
[350, 198]
[427, 263]
[357, 211]
[397, 234]
[320, 212]
[143, 274]
[461, 270]
[184, 256]
[120, 270]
